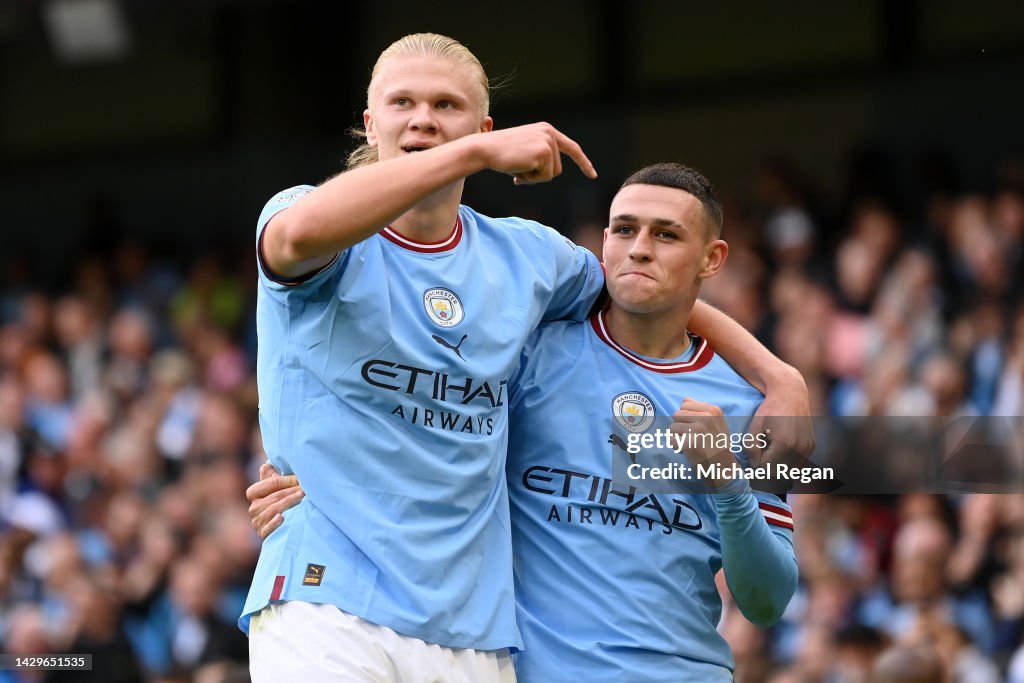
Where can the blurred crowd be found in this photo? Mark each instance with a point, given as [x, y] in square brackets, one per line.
[891, 306]
[127, 438]
[129, 432]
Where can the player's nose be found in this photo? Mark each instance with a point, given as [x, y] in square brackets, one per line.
[641, 248]
[423, 118]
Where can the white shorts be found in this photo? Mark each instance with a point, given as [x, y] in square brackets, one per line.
[307, 642]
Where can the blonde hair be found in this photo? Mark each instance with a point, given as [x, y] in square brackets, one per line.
[420, 45]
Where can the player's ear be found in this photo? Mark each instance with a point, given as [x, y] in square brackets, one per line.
[487, 125]
[371, 136]
[715, 254]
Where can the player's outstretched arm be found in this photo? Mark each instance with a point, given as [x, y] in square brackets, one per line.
[354, 205]
[785, 411]
[270, 497]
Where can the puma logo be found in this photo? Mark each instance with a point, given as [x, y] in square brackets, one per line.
[444, 343]
[617, 441]
[314, 575]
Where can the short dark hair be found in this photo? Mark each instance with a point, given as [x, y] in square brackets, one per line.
[686, 179]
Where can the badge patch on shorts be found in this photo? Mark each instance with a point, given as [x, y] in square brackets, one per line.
[314, 575]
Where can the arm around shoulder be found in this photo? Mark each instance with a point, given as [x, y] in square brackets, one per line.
[786, 408]
[742, 350]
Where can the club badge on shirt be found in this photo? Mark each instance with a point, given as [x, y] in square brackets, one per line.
[633, 410]
[443, 306]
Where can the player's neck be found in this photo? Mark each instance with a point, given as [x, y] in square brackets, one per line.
[655, 335]
[433, 218]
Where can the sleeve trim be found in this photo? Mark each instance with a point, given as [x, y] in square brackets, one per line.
[287, 281]
[776, 515]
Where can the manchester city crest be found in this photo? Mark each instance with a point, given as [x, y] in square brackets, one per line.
[443, 306]
[633, 410]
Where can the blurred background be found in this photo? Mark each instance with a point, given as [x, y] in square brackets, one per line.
[871, 159]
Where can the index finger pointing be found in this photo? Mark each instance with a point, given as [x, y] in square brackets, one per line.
[571, 148]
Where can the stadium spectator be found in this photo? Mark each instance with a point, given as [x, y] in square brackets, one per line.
[908, 665]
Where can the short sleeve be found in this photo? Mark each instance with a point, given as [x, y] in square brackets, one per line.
[579, 280]
[278, 203]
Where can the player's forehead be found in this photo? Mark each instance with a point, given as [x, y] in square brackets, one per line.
[655, 203]
[435, 75]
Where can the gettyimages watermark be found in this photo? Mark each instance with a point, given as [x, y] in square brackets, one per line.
[856, 455]
[714, 470]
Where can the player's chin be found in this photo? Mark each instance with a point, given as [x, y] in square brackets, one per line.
[636, 303]
[636, 296]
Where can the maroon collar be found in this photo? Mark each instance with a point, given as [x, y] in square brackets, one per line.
[699, 359]
[447, 244]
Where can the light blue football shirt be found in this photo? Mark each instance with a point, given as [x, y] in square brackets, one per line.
[613, 584]
[383, 386]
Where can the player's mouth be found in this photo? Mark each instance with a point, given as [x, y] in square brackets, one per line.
[638, 274]
[410, 148]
